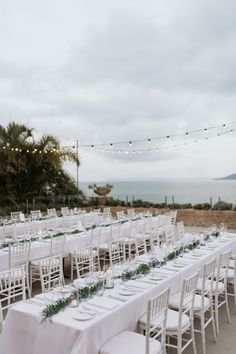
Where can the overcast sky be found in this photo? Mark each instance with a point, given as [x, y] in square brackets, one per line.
[104, 71]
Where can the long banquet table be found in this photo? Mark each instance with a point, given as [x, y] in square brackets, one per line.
[73, 242]
[25, 333]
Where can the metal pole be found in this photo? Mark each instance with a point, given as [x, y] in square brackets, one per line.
[77, 166]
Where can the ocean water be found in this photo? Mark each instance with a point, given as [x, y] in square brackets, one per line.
[183, 191]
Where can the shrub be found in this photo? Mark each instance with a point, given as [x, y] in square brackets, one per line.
[202, 206]
[222, 206]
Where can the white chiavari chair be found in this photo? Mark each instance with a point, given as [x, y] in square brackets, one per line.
[180, 230]
[19, 254]
[120, 215]
[203, 302]
[153, 342]
[12, 286]
[180, 324]
[51, 272]
[52, 213]
[95, 241]
[220, 292]
[65, 211]
[36, 214]
[169, 232]
[116, 252]
[114, 234]
[83, 261]
[57, 244]
[131, 214]
[231, 279]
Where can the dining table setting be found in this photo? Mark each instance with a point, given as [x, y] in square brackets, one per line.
[82, 315]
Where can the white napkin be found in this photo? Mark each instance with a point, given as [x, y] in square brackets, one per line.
[104, 302]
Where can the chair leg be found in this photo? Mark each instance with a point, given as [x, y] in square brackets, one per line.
[227, 306]
[179, 344]
[28, 286]
[213, 324]
[192, 335]
[234, 286]
[203, 333]
[216, 314]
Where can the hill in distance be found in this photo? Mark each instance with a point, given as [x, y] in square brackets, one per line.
[230, 177]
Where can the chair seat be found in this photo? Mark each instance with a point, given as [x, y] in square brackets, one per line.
[172, 321]
[104, 246]
[127, 240]
[142, 236]
[197, 305]
[37, 262]
[230, 275]
[17, 273]
[220, 285]
[128, 342]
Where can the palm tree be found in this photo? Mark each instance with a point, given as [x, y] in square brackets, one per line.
[29, 167]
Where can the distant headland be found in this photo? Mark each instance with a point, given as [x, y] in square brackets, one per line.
[230, 177]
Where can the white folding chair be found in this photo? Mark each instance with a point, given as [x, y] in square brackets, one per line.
[203, 302]
[57, 244]
[120, 215]
[83, 261]
[65, 211]
[51, 272]
[231, 279]
[131, 214]
[128, 342]
[12, 286]
[180, 230]
[36, 214]
[52, 213]
[180, 325]
[220, 293]
[19, 254]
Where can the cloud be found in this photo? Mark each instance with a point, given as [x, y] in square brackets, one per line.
[117, 71]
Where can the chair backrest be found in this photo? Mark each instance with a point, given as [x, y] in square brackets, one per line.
[84, 261]
[95, 237]
[173, 215]
[16, 216]
[180, 229]
[187, 297]
[57, 245]
[107, 212]
[51, 272]
[115, 231]
[156, 319]
[208, 278]
[120, 215]
[65, 211]
[170, 234]
[19, 253]
[22, 230]
[222, 269]
[131, 213]
[140, 245]
[133, 228]
[36, 214]
[12, 286]
[52, 213]
[116, 252]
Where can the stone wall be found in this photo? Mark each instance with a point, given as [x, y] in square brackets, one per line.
[191, 217]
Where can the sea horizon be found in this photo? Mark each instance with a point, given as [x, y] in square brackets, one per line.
[179, 190]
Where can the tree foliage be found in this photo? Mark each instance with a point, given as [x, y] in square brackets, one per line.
[31, 167]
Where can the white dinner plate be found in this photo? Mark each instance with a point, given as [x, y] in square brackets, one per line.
[156, 278]
[126, 292]
[179, 265]
[82, 316]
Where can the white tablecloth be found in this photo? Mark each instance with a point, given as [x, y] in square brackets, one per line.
[72, 243]
[23, 332]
